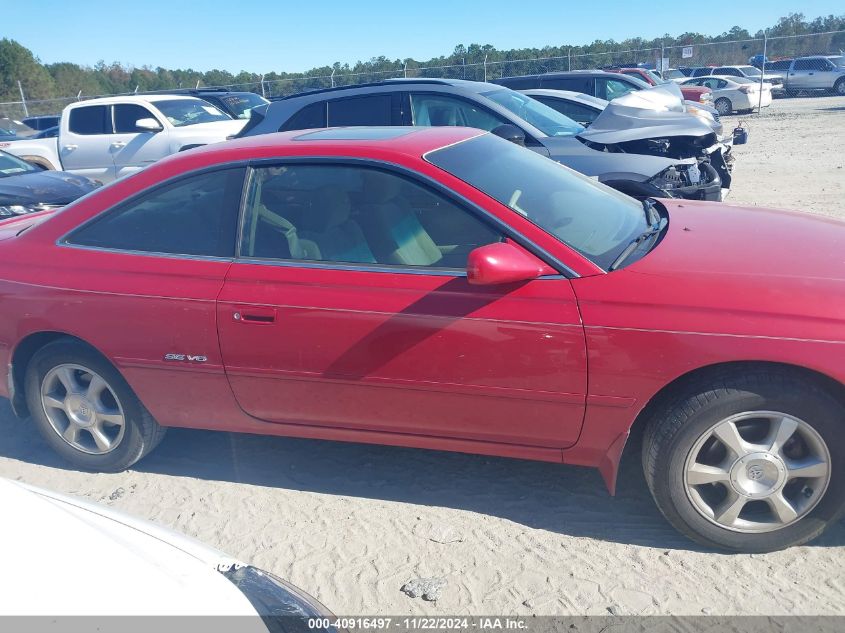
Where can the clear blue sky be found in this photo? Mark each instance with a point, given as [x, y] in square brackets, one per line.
[290, 36]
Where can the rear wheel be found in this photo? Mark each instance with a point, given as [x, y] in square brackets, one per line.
[749, 462]
[839, 87]
[723, 105]
[86, 411]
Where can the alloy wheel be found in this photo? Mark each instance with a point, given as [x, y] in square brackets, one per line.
[82, 409]
[757, 471]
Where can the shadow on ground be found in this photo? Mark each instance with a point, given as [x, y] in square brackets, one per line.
[562, 499]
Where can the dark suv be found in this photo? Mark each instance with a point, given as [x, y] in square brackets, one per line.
[435, 102]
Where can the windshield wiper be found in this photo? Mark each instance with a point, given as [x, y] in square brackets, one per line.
[652, 231]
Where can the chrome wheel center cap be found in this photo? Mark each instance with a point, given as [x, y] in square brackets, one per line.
[758, 475]
[80, 410]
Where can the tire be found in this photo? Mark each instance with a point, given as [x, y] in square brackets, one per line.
[839, 87]
[95, 441]
[684, 435]
[723, 106]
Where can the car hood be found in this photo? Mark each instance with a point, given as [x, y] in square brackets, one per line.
[661, 97]
[73, 557]
[781, 273]
[46, 187]
[619, 123]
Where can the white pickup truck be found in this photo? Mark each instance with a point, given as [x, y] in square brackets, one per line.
[111, 137]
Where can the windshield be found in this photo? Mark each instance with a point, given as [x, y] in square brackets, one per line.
[595, 220]
[657, 79]
[749, 71]
[12, 165]
[181, 112]
[838, 60]
[673, 74]
[550, 122]
[239, 105]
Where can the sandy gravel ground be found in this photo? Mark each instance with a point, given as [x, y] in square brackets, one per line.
[352, 523]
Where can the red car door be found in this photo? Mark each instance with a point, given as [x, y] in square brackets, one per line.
[349, 307]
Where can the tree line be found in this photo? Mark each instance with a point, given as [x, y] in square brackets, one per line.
[65, 79]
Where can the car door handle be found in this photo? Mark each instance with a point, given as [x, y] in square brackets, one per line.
[70, 148]
[118, 145]
[255, 316]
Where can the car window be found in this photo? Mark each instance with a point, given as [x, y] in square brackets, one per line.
[127, 114]
[584, 85]
[611, 88]
[184, 112]
[12, 165]
[89, 120]
[355, 215]
[700, 72]
[367, 110]
[592, 218]
[196, 215]
[811, 64]
[438, 110]
[239, 105]
[575, 111]
[720, 84]
[311, 116]
[731, 72]
[549, 121]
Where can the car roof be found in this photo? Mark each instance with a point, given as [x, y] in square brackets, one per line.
[146, 98]
[385, 141]
[570, 95]
[474, 86]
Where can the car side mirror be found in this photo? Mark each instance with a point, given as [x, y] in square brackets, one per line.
[148, 125]
[510, 133]
[504, 263]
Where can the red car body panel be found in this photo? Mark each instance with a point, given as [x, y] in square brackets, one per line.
[554, 369]
[691, 93]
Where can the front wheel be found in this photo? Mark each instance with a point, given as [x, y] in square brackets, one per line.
[85, 410]
[839, 87]
[749, 462]
[723, 105]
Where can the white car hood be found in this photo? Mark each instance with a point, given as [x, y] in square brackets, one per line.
[64, 556]
[665, 97]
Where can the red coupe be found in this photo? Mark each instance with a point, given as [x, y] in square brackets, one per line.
[441, 288]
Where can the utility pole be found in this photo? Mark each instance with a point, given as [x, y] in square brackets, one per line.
[23, 99]
[762, 72]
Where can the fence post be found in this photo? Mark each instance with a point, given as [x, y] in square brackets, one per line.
[569, 59]
[485, 67]
[405, 69]
[23, 99]
[332, 77]
[263, 94]
[762, 72]
[79, 96]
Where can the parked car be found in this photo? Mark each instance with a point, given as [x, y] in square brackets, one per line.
[112, 137]
[50, 132]
[440, 288]
[596, 83]
[95, 561]
[674, 74]
[814, 74]
[41, 123]
[735, 94]
[27, 189]
[750, 72]
[584, 109]
[636, 125]
[444, 102]
[234, 103]
[691, 93]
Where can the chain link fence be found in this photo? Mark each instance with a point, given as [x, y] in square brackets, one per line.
[737, 52]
